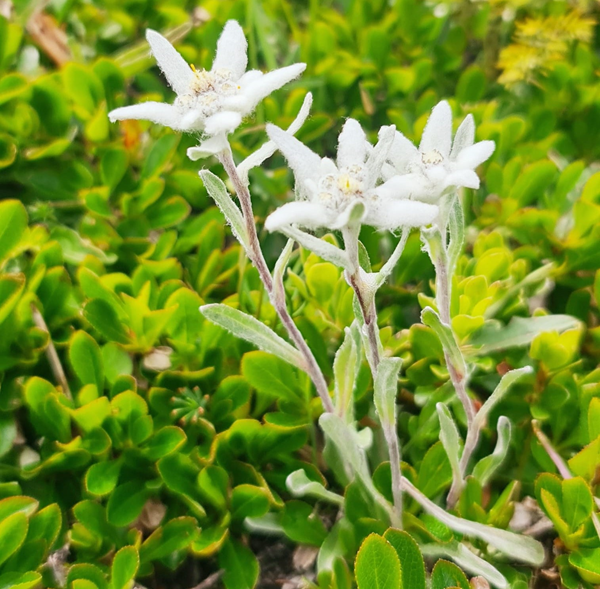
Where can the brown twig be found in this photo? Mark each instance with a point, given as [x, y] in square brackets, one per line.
[51, 354]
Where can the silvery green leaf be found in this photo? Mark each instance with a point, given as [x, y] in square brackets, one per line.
[451, 441]
[456, 227]
[520, 548]
[322, 248]
[444, 332]
[344, 437]
[467, 560]
[339, 543]
[250, 329]
[218, 192]
[385, 390]
[299, 485]
[520, 331]
[537, 276]
[280, 267]
[267, 524]
[364, 438]
[487, 466]
[499, 392]
[345, 370]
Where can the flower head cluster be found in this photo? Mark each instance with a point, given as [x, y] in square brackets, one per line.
[215, 101]
[439, 164]
[333, 194]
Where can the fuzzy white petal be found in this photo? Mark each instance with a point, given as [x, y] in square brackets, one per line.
[222, 122]
[401, 213]
[355, 212]
[249, 77]
[438, 130]
[327, 166]
[304, 162]
[156, 112]
[464, 177]
[465, 136]
[380, 152]
[177, 71]
[405, 186]
[352, 145]
[387, 171]
[262, 86]
[402, 152]
[305, 214]
[207, 148]
[232, 50]
[269, 148]
[472, 156]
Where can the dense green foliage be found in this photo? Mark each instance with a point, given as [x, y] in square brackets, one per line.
[141, 437]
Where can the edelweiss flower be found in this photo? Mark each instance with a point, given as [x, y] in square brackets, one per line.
[439, 164]
[332, 194]
[212, 101]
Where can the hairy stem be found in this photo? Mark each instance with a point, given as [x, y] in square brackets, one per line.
[366, 300]
[459, 380]
[276, 294]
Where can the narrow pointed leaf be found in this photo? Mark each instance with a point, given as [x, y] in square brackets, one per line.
[250, 329]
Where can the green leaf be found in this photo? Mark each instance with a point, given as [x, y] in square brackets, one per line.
[411, 561]
[29, 580]
[116, 361]
[175, 535]
[270, 375]
[302, 524]
[20, 504]
[86, 360]
[160, 154]
[377, 565]
[587, 562]
[520, 331]
[124, 567]
[13, 223]
[101, 478]
[11, 287]
[533, 182]
[247, 327]
[577, 502]
[105, 320]
[164, 441]
[248, 501]
[186, 323]
[88, 572]
[240, 565]
[435, 472]
[445, 575]
[13, 531]
[168, 212]
[126, 503]
[218, 192]
[46, 524]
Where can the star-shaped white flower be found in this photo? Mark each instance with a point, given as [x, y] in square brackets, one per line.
[215, 101]
[439, 164]
[334, 194]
